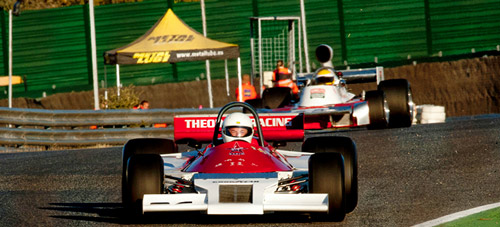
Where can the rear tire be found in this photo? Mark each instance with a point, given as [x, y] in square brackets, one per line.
[347, 148]
[399, 97]
[276, 97]
[378, 110]
[326, 175]
[144, 176]
[138, 147]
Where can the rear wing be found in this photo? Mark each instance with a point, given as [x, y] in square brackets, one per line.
[275, 127]
[351, 76]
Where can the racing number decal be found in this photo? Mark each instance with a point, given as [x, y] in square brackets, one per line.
[153, 57]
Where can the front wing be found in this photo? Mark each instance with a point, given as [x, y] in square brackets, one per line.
[234, 194]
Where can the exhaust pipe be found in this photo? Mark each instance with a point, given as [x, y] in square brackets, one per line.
[324, 54]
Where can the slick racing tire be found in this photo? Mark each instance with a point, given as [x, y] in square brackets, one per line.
[399, 97]
[276, 97]
[144, 176]
[326, 175]
[378, 109]
[255, 103]
[143, 146]
[347, 148]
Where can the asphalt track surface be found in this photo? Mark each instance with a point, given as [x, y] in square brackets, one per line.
[406, 176]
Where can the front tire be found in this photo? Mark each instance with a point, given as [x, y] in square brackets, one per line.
[255, 103]
[142, 146]
[379, 113]
[347, 148]
[144, 176]
[326, 175]
[276, 97]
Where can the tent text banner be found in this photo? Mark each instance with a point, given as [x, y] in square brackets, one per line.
[176, 56]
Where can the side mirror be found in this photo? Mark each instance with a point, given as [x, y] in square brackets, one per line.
[342, 82]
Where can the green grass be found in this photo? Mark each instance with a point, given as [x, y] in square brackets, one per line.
[483, 219]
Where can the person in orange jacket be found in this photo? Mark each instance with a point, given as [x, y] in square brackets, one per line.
[248, 89]
[282, 77]
[144, 105]
[281, 72]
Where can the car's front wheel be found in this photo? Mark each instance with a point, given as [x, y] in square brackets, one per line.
[141, 146]
[144, 176]
[326, 175]
[276, 97]
[347, 148]
[379, 112]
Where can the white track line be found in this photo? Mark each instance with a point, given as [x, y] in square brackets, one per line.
[457, 215]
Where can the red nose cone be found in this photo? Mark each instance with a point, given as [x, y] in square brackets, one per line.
[237, 157]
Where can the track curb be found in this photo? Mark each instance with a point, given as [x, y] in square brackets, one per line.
[458, 215]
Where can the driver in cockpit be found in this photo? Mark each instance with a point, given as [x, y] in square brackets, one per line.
[237, 126]
[325, 77]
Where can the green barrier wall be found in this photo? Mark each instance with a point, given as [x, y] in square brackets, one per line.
[51, 47]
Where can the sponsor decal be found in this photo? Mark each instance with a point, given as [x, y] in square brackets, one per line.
[200, 123]
[236, 150]
[157, 40]
[264, 122]
[317, 93]
[274, 122]
[235, 181]
[152, 57]
[205, 53]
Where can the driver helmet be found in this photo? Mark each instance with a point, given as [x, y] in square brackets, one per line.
[237, 126]
[325, 77]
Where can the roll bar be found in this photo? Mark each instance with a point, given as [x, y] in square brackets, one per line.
[233, 105]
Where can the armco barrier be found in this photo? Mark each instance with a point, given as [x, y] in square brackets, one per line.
[74, 127]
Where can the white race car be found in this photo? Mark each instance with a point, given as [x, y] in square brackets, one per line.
[325, 102]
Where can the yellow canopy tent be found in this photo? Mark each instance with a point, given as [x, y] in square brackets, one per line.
[171, 40]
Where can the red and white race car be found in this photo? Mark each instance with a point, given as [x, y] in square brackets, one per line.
[325, 102]
[240, 177]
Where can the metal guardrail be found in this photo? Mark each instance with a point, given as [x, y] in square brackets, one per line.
[73, 127]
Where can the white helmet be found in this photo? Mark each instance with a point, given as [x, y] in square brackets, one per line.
[237, 126]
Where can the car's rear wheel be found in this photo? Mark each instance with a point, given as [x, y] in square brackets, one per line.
[378, 109]
[276, 97]
[399, 97]
[142, 146]
[326, 175]
[347, 148]
[144, 176]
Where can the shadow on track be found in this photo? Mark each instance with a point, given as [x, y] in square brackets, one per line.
[114, 213]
